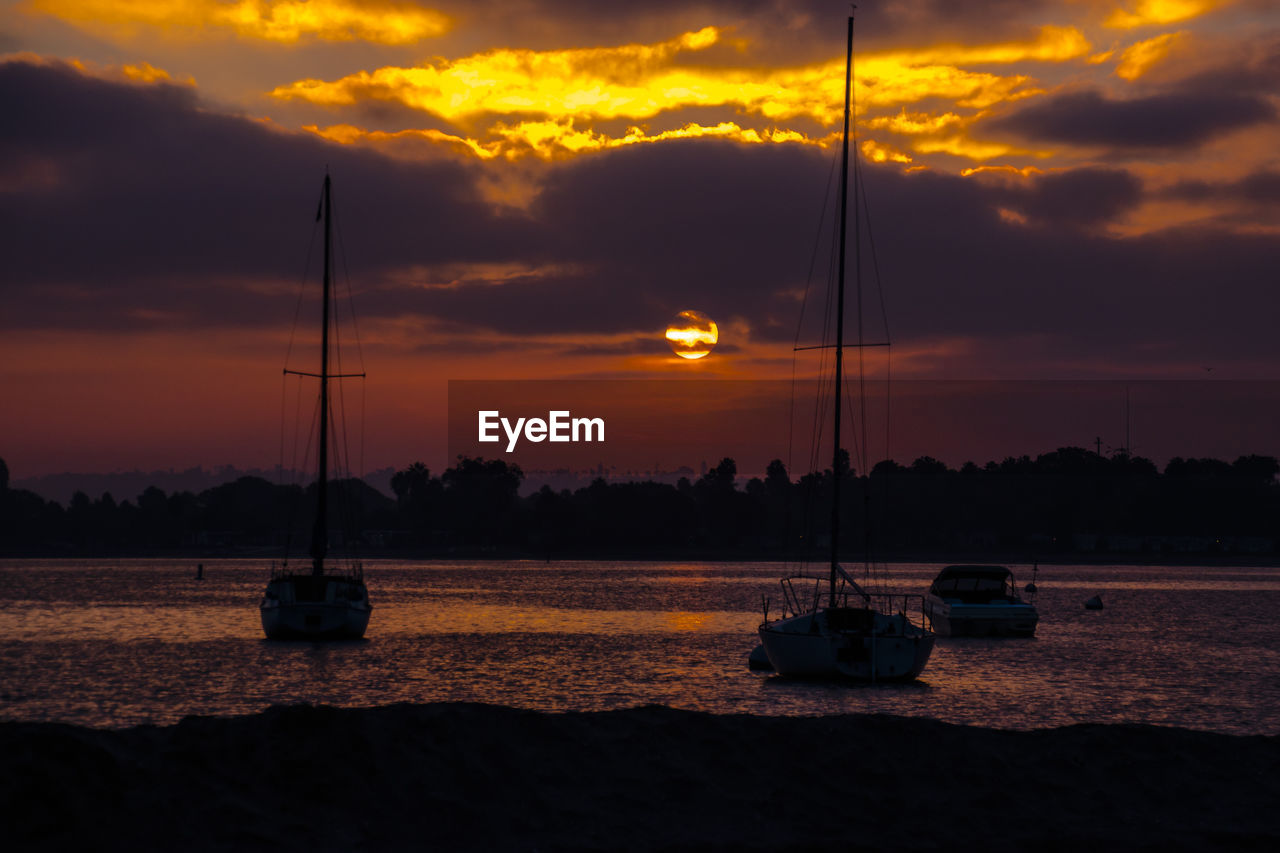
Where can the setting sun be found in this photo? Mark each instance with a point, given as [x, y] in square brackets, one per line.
[692, 334]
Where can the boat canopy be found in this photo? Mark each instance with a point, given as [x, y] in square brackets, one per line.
[974, 584]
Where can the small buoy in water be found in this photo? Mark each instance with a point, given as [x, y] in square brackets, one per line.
[758, 659]
[1094, 603]
[199, 571]
[1031, 588]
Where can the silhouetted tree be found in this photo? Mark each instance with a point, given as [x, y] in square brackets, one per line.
[1067, 499]
[480, 500]
[1262, 470]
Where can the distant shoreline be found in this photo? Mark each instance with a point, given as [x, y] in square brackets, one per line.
[478, 777]
[695, 556]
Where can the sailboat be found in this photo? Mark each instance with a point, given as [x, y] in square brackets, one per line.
[831, 627]
[319, 603]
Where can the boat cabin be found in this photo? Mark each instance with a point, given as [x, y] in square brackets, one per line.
[974, 584]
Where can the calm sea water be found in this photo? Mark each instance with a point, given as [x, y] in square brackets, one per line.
[118, 643]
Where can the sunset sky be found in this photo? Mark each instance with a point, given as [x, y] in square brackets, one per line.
[1066, 189]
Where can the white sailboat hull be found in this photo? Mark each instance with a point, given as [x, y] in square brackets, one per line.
[324, 608]
[887, 648]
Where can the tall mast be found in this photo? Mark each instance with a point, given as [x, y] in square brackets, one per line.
[844, 214]
[320, 532]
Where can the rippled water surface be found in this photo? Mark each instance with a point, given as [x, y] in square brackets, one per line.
[115, 643]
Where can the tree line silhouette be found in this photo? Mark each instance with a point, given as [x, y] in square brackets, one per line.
[1071, 500]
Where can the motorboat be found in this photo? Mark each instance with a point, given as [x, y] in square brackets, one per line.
[978, 601]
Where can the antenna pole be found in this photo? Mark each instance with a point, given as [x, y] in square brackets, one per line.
[844, 218]
[320, 532]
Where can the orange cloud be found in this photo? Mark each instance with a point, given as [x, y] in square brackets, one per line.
[348, 134]
[638, 81]
[914, 123]
[1139, 57]
[1025, 172]
[140, 72]
[272, 20]
[631, 80]
[1147, 12]
[972, 149]
[879, 153]
[145, 72]
[1053, 44]
[552, 140]
[944, 133]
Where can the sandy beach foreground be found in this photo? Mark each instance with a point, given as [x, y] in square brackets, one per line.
[473, 777]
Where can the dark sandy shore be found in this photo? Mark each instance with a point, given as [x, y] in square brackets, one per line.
[470, 777]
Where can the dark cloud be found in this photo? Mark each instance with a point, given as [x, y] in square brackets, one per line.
[139, 200]
[651, 345]
[955, 270]
[1261, 188]
[478, 344]
[142, 198]
[641, 234]
[1079, 197]
[724, 228]
[654, 344]
[1253, 68]
[1170, 120]
[701, 224]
